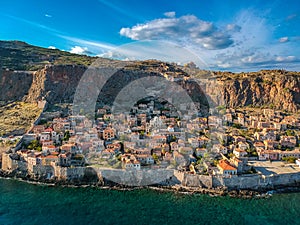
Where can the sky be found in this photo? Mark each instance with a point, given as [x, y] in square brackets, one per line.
[231, 35]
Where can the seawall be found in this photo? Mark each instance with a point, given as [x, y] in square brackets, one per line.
[161, 177]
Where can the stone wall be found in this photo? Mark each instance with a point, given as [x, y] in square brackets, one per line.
[150, 177]
[43, 171]
[191, 180]
[9, 164]
[256, 181]
[137, 177]
[6, 162]
[66, 173]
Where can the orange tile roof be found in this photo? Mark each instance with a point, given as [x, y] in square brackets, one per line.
[225, 165]
[51, 146]
[159, 137]
[259, 144]
[51, 157]
[239, 150]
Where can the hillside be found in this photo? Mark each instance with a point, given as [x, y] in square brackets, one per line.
[277, 89]
[16, 118]
[17, 55]
[31, 73]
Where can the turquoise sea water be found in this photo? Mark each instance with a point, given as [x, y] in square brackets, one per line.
[22, 203]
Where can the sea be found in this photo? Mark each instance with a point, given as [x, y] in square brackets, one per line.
[25, 203]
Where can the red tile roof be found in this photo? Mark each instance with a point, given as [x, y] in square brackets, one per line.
[224, 164]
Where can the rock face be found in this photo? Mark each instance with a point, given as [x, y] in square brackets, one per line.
[58, 83]
[277, 91]
[14, 85]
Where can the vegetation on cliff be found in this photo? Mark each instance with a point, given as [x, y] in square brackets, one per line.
[17, 55]
[17, 117]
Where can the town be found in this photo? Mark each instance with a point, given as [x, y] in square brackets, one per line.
[228, 143]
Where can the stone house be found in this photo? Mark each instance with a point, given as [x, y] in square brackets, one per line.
[218, 148]
[239, 153]
[193, 142]
[268, 155]
[259, 146]
[226, 169]
[200, 152]
[145, 159]
[288, 141]
[243, 145]
[45, 136]
[270, 144]
[108, 134]
[179, 158]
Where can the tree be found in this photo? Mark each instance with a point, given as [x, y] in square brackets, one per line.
[237, 125]
[155, 157]
[67, 136]
[289, 159]
[290, 133]
[35, 145]
[231, 155]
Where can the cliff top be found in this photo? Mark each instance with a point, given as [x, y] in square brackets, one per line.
[17, 55]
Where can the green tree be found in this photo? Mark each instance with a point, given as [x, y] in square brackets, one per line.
[67, 136]
[237, 125]
[290, 133]
[289, 159]
[155, 157]
[35, 145]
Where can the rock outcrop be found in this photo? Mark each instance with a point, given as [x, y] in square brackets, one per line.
[14, 85]
[276, 89]
[57, 84]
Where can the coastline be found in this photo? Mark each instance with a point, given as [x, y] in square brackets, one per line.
[176, 189]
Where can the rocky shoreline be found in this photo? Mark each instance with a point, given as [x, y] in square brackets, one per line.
[178, 189]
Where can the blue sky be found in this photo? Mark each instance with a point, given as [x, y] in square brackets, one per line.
[223, 35]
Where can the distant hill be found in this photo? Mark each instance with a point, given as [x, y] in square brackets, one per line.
[18, 55]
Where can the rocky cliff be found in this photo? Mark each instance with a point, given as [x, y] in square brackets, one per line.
[14, 85]
[58, 83]
[274, 89]
[54, 75]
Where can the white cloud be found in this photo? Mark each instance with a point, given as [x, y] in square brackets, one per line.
[289, 58]
[170, 14]
[233, 28]
[255, 47]
[160, 50]
[283, 39]
[52, 47]
[79, 50]
[186, 29]
[91, 44]
[48, 15]
[245, 43]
